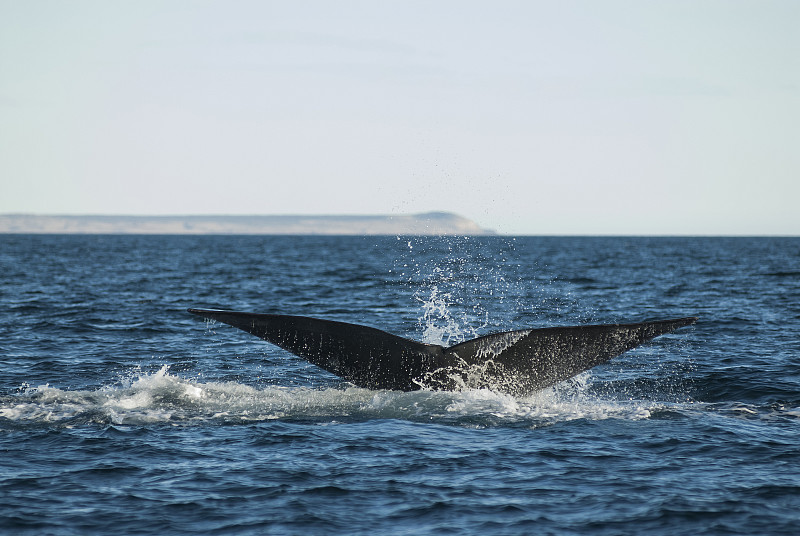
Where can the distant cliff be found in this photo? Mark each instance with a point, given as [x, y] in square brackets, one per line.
[431, 223]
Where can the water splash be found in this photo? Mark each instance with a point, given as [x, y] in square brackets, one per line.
[438, 323]
[161, 397]
[454, 285]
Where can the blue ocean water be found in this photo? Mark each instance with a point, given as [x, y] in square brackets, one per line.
[121, 413]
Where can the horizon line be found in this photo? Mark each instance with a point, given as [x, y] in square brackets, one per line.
[477, 230]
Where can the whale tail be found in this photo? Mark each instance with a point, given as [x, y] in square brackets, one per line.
[517, 362]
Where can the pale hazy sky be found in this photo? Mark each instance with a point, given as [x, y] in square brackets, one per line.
[530, 117]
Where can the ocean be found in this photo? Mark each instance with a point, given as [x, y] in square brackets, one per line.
[121, 413]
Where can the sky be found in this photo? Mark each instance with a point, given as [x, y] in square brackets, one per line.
[530, 117]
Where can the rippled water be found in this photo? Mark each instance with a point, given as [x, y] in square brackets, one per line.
[121, 412]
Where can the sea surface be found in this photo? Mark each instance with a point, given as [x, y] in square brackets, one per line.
[121, 413]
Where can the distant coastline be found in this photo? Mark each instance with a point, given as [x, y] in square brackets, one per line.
[430, 223]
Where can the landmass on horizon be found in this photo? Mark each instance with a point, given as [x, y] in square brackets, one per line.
[429, 223]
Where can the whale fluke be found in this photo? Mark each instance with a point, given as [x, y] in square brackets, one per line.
[517, 362]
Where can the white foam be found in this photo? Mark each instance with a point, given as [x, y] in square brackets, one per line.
[161, 397]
